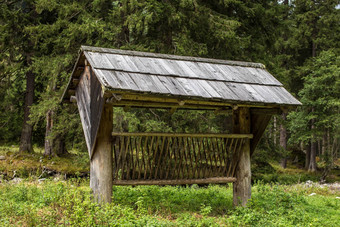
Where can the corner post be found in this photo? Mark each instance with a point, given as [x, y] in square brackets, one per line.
[101, 162]
[242, 186]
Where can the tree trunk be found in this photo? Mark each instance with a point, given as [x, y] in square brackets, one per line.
[312, 161]
[324, 143]
[59, 146]
[48, 140]
[307, 156]
[26, 133]
[283, 141]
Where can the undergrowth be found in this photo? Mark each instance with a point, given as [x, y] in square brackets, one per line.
[51, 203]
[25, 165]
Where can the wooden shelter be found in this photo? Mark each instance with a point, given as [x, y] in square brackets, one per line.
[103, 78]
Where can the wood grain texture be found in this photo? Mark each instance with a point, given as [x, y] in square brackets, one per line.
[90, 103]
[212, 180]
[242, 186]
[186, 77]
[101, 162]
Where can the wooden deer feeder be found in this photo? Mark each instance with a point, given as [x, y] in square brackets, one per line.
[103, 78]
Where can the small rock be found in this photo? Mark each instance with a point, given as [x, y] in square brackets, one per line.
[16, 180]
[2, 157]
[41, 180]
[312, 194]
[337, 197]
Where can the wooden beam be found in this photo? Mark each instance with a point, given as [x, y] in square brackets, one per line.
[102, 163]
[180, 100]
[213, 180]
[242, 186]
[145, 104]
[213, 135]
[222, 111]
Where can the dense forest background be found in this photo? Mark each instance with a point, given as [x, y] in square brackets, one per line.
[297, 40]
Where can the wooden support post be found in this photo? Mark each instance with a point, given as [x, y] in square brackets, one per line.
[242, 186]
[101, 163]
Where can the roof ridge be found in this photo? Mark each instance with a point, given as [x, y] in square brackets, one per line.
[172, 57]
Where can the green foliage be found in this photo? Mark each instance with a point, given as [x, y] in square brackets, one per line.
[163, 200]
[320, 93]
[70, 203]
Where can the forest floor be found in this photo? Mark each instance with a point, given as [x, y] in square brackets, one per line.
[35, 190]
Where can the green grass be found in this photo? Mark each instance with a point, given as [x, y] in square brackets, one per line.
[51, 203]
[26, 165]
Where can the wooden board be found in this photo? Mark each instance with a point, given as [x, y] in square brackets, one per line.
[90, 103]
[213, 180]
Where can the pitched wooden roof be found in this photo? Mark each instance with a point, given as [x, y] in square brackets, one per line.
[186, 77]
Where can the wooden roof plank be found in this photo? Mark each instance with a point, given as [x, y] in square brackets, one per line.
[126, 81]
[187, 70]
[187, 86]
[212, 70]
[170, 85]
[270, 97]
[110, 78]
[138, 79]
[206, 86]
[223, 90]
[186, 77]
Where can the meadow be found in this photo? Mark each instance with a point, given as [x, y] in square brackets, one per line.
[57, 202]
[40, 191]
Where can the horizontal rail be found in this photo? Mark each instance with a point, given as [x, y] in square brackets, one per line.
[213, 135]
[212, 180]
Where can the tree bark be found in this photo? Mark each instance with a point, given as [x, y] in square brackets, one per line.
[59, 146]
[27, 128]
[307, 156]
[324, 143]
[48, 140]
[274, 131]
[312, 161]
[283, 141]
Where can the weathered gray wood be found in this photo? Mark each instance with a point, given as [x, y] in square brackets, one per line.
[90, 101]
[101, 163]
[211, 180]
[209, 89]
[237, 136]
[242, 186]
[164, 74]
